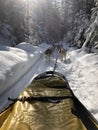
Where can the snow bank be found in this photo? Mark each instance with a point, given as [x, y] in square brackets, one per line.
[14, 63]
[17, 69]
[27, 47]
[85, 84]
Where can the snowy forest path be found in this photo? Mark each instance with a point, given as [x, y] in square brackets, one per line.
[43, 65]
[71, 72]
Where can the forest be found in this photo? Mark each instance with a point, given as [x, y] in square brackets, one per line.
[50, 21]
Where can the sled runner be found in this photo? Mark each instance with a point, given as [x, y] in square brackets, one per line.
[48, 103]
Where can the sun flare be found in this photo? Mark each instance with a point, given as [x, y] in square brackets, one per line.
[24, 0]
[40, 1]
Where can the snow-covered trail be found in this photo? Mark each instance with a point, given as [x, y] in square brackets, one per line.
[81, 74]
[42, 65]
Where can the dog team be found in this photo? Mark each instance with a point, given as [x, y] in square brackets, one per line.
[61, 52]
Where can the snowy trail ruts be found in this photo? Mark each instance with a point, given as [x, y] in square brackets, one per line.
[73, 75]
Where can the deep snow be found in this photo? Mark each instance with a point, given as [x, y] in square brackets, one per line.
[19, 65]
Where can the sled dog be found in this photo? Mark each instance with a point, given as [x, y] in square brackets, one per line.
[62, 54]
[48, 53]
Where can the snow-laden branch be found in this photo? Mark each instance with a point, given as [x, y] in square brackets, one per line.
[90, 31]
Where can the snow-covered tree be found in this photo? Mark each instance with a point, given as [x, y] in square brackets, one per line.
[92, 32]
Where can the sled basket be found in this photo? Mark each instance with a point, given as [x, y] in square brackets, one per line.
[48, 103]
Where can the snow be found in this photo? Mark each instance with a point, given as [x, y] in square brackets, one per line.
[85, 67]
[19, 65]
